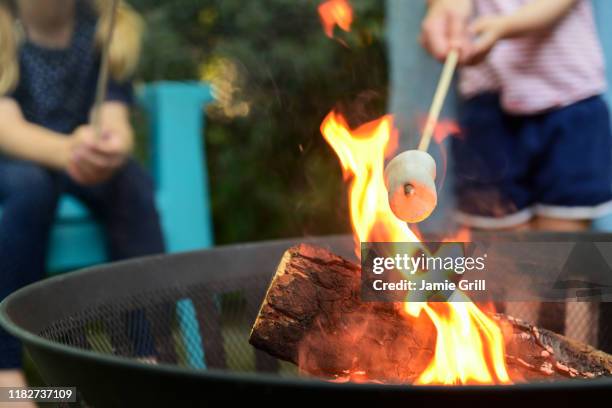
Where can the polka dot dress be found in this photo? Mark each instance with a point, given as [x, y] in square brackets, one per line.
[56, 88]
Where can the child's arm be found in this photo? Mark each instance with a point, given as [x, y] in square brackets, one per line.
[535, 16]
[24, 140]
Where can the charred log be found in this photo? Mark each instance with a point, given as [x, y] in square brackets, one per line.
[312, 316]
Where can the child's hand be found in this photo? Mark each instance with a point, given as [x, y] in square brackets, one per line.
[487, 31]
[94, 160]
[445, 28]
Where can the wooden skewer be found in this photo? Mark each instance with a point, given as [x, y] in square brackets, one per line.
[436, 106]
[103, 74]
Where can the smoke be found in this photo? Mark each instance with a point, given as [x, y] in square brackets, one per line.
[374, 342]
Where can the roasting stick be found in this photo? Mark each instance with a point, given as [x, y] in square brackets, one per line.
[410, 176]
[103, 74]
[436, 105]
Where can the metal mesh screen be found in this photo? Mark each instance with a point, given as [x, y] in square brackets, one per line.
[202, 326]
[208, 325]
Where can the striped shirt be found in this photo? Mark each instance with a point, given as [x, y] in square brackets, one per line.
[540, 72]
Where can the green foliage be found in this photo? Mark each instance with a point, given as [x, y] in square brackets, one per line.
[272, 174]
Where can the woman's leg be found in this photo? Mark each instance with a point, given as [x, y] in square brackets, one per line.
[28, 199]
[125, 205]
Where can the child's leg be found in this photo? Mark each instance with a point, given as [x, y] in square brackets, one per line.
[28, 198]
[560, 225]
[576, 319]
[491, 166]
[125, 205]
[571, 318]
[574, 184]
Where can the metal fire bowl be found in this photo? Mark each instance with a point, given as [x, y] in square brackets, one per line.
[54, 317]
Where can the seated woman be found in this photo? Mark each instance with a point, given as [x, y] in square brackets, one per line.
[49, 63]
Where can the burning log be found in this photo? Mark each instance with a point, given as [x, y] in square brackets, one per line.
[312, 316]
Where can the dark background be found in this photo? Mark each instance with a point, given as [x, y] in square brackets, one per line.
[276, 75]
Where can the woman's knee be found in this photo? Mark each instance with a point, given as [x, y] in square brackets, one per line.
[133, 225]
[136, 186]
[29, 185]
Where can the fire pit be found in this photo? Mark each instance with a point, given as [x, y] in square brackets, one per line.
[174, 329]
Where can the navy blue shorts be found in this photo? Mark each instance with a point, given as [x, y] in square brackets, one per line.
[510, 168]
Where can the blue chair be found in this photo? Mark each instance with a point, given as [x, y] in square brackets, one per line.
[178, 166]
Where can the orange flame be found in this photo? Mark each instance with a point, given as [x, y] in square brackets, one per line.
[362, 154]
[443, 129]
[469, 344]
[335, 12]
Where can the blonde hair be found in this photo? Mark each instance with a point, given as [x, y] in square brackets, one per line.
[123, 53]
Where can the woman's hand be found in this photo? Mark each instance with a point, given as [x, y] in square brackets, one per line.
[445, 27]
[487, 31]
[94, 160]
